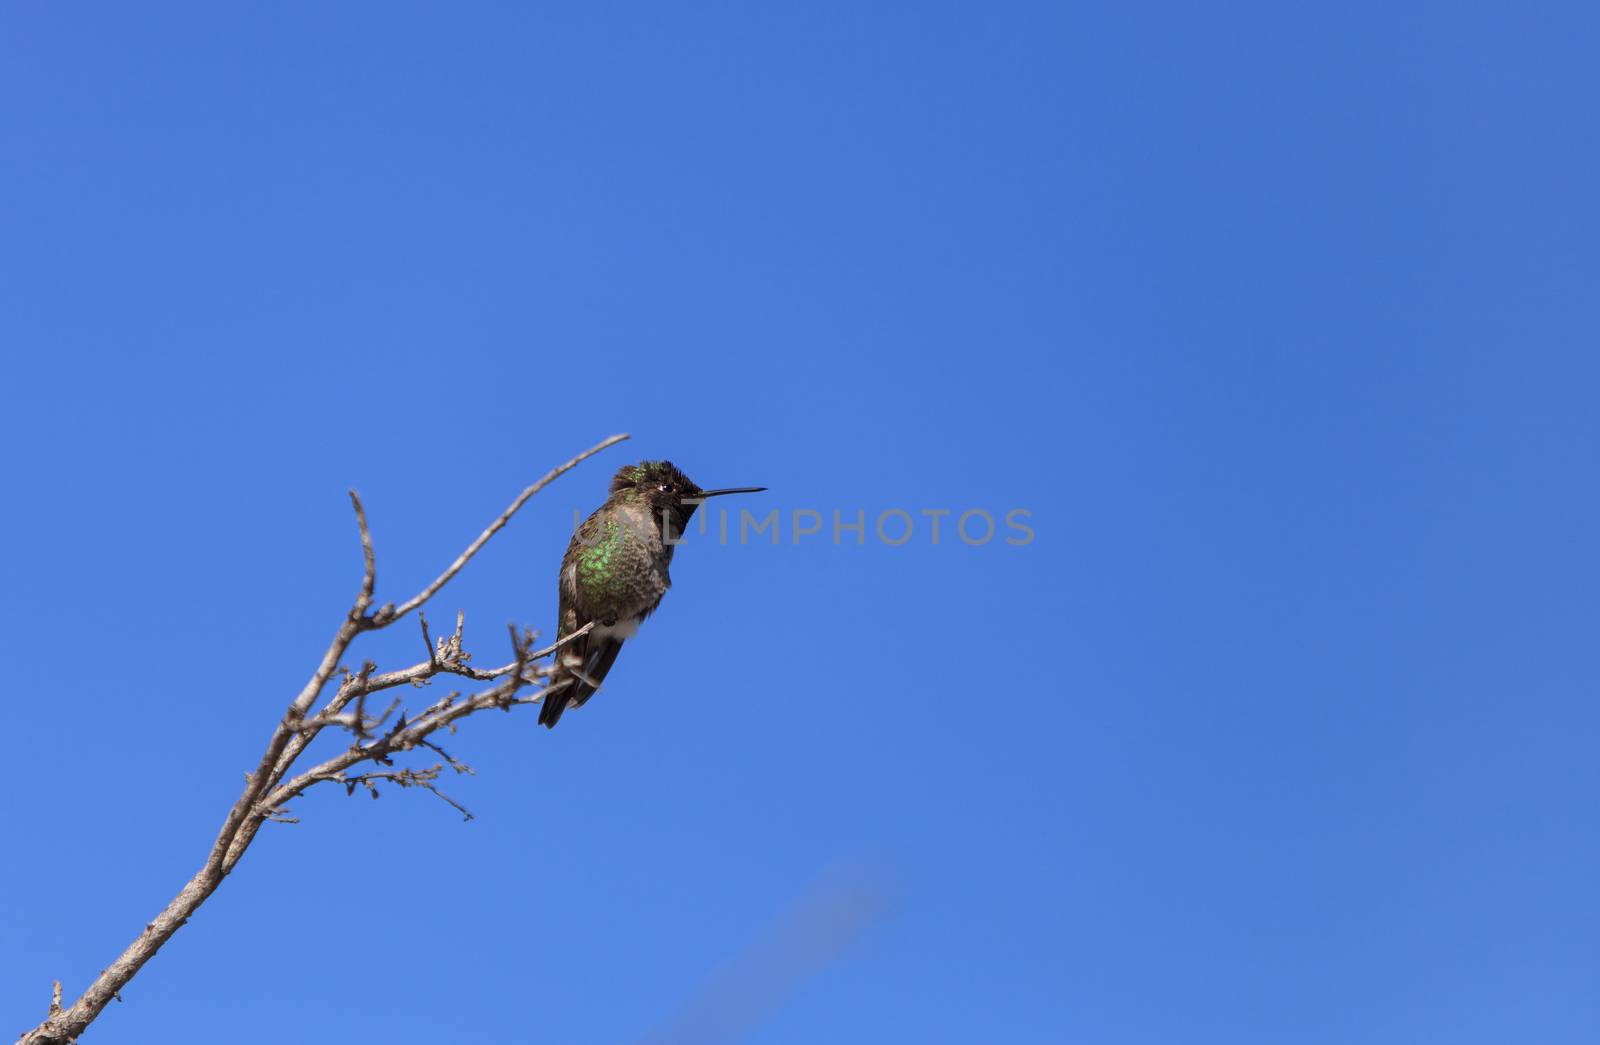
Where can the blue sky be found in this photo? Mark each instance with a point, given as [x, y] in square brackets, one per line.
[1280, 320]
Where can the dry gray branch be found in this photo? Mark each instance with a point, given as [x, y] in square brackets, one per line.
[266, 790]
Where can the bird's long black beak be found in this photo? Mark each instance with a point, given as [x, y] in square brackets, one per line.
[731, 489]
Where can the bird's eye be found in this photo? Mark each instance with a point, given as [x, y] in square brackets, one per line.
[665, 487]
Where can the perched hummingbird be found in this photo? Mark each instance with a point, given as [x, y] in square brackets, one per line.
[615, 573]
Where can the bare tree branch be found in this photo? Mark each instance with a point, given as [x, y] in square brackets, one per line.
[266, 792]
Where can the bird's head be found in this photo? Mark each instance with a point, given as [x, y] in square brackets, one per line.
[669, 492]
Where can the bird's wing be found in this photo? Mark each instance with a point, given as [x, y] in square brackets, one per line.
[602, 653]
[580, 672]
[570, 658]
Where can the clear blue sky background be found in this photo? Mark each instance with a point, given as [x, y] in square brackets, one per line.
[1280, 319]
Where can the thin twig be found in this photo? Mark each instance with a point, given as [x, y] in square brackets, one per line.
[427, 640]
[540, 654]
[451, 761]
[369, 560]
[360, 683]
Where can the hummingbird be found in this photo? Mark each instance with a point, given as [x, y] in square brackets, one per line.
[615, 572]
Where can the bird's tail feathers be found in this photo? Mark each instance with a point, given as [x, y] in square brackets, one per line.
[576, 679]
[556, 697]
